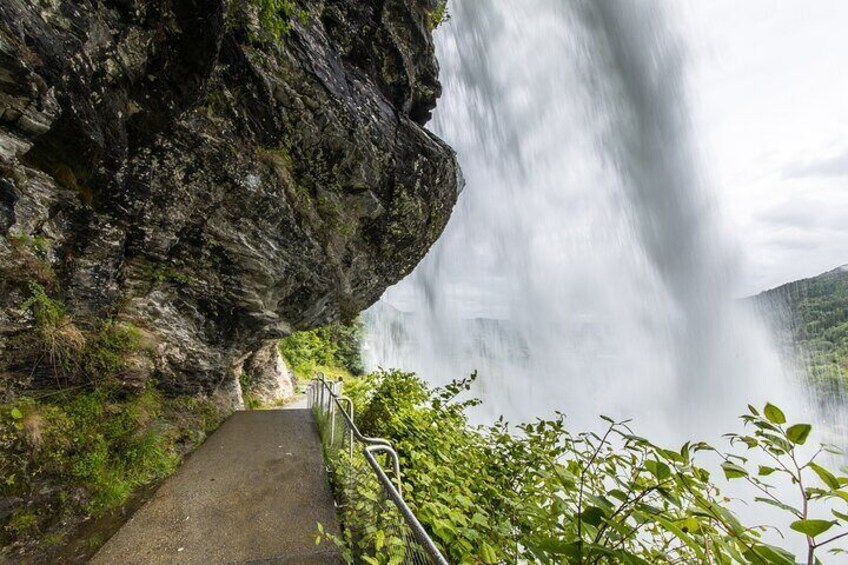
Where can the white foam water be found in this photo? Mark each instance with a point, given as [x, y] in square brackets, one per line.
[585, 268]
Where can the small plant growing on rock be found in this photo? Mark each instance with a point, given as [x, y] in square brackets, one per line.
[275, 16]
[439, 14]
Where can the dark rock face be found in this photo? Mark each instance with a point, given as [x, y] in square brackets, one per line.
[213, 185]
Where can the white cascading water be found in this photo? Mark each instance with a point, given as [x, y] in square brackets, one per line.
[585, 269]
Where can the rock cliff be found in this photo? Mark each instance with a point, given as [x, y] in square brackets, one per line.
[177, 166]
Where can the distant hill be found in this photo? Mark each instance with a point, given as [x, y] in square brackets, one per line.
[810, 318]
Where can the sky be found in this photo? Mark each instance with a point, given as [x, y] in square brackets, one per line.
[769, 96]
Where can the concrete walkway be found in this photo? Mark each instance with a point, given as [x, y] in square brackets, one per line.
[252, 493]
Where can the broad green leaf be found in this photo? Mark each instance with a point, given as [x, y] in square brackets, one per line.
[682, 535]
[774, 414]
[798, 433]
[592, 516]
[557, 547]
[733, 471]
[770, 554]
[488, 555]
[749, 441]
[16, 413]
[379, 539]
[764, 471]
[658, 469]
[826, 476]
[690, 525]
[812, 528]
[778, 504]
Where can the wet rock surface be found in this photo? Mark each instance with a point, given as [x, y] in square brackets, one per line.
[267, 377]
[183, 170]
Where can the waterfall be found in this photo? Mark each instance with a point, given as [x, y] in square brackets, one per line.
[586, 268]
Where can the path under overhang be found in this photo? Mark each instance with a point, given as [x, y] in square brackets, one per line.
[254, 492]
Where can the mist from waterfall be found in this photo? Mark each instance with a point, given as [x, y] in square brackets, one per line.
[586, 268]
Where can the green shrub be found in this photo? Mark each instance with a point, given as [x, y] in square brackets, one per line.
[28, 262]
[47, 312]
[539, 493]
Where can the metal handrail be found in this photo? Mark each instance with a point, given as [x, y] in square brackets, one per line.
[377, 445]
[375, 441]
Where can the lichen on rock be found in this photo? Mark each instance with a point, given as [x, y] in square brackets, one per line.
[213, 185]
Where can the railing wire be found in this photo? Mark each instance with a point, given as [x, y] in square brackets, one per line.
[376, 520]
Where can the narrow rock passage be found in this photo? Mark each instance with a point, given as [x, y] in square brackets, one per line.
[252, 493]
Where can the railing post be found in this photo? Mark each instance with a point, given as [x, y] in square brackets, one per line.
[321, 397]
[332, 420]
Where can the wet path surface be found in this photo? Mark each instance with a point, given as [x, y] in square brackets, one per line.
[252, 493]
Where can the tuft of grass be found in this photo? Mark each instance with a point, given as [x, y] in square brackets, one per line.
[47, 312]
[98, 352]
[36, 244]
[22, 522]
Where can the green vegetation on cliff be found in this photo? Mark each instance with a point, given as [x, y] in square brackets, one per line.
[439, 14]
[82, 429]
[275, 16]
[74, 454]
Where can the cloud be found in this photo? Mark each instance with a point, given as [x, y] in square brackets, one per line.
[806, 210]
[829, 167]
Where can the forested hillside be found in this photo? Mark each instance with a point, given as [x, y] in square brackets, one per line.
[810, 317]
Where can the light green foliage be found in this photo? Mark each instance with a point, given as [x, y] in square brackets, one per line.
[371, 534]
[169, 274]
[55, 343]
[439, 14]
[86, 453]
[47, 312]
[540, 493]
[333, 349]
[275, 16]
